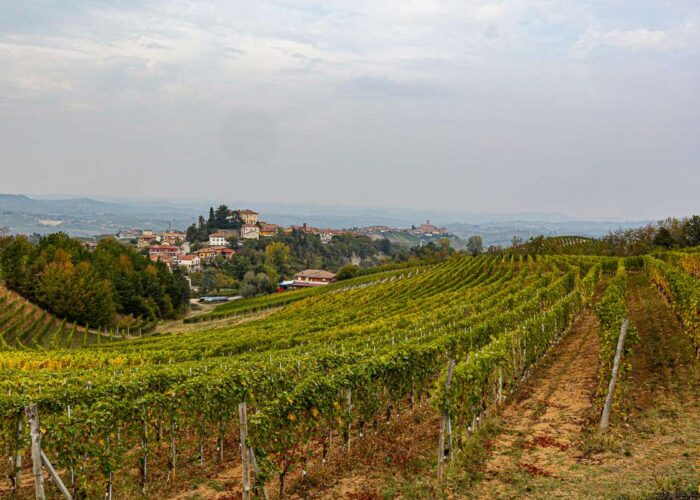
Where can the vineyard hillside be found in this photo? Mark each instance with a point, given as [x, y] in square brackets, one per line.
[307, 385]
[24, 325]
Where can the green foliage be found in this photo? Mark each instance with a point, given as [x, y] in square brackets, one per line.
[76, 292]
[277, 256]
[681, 289]
[92, 287]
[611, 312]
[663, 238]
[346, 272]
[475, 245]
[691, 229]
[257, 284]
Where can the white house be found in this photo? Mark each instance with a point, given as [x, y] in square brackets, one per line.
[250, 232]
[217, 240]
[191, 263]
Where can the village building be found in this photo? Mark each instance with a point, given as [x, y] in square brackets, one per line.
[248, 216]
[90, 246]
[250, 232]
[164, 250]
[145, 241]
[191, 262]
[129, 234]
[429, 229]
[327, 235]
[268, 230]
[217, 239]
[164, 258]
[171, 237]
[208, 253]
[313, 277]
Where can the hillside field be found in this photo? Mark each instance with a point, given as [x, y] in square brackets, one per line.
[367, 388]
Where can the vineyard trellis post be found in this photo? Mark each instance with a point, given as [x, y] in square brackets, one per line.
[444, 421]
[17, 456]
[605, 417]
[348, 428]
[499, 398]
[245, 456]
[39, 458]
[56, 478]
[35, 433]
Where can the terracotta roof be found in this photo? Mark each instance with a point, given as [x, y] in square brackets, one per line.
[247, 212]
[188, 257]
[315, 273]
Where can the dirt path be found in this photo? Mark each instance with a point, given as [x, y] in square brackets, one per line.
[549, 447]
[543, 425]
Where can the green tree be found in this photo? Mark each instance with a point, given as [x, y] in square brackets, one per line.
[223, 280]
[475, 245]
[346, 272]
[209, 280]
[691, 229]
[15, 261]
[663, 238]
[277, 256]
[76, 293]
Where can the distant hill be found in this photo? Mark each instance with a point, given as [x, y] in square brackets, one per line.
[502, 232]
[70, 207]
[22, 214]
[83, 216]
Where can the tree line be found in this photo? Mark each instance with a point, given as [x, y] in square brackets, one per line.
[109, 286]
[671, 233]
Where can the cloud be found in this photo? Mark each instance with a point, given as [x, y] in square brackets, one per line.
[388, 88]
[637, 39]
[468, 95]
[679, 38]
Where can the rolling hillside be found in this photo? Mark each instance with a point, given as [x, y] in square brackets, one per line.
[374, 375]
[24, 325]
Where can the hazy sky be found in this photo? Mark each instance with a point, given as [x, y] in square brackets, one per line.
[587, 108]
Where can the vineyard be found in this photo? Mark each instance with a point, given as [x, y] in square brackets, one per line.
[326, 367]
[24, 325]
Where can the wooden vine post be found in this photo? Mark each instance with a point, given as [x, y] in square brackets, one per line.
[499, 397]
[35, 433]
[39, 458]
[245, 456]
[17, 463]
[605, 417]
[444, 422]
[348, 429]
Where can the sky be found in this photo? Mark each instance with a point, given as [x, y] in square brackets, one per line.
[586, 108]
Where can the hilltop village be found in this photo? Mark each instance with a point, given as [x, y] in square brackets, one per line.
[234, 249]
